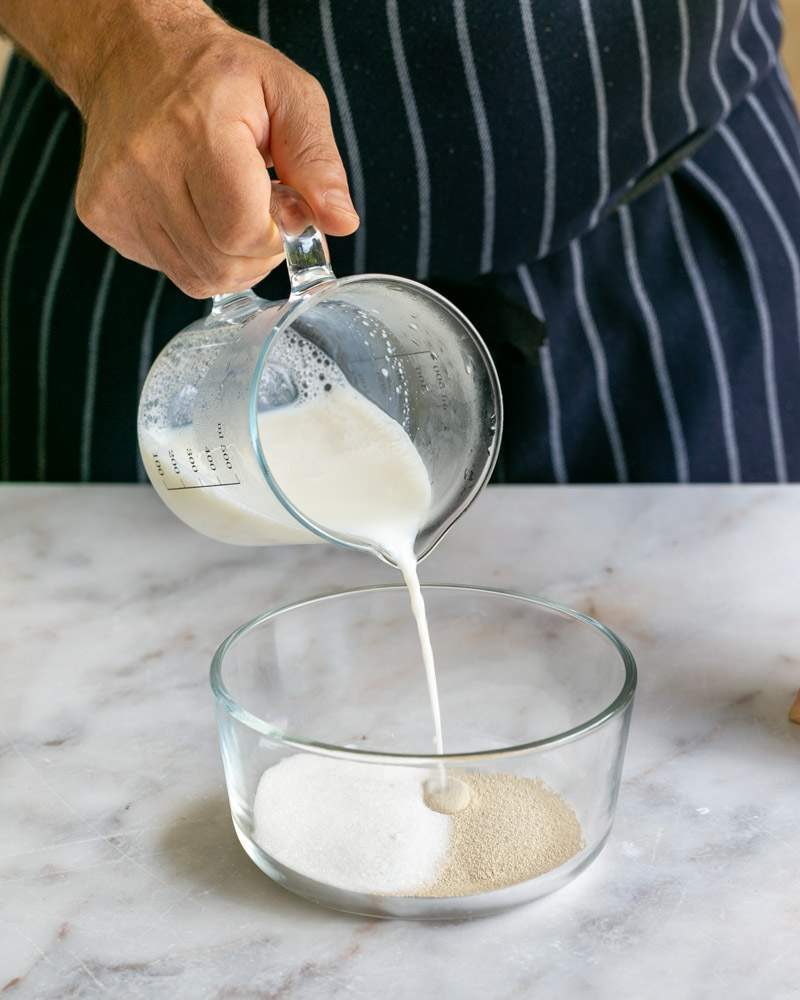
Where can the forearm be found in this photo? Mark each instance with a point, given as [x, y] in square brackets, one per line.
[74, 41]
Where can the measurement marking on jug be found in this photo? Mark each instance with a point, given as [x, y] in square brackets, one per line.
[228, 462]
[203, 486]
[392, 357]
[442, 385]
[194, 461]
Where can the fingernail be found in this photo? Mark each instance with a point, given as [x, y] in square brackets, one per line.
[340, 201]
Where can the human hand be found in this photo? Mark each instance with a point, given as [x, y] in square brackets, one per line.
[180, 128]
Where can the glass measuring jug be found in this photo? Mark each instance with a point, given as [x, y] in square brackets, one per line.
[401, 345]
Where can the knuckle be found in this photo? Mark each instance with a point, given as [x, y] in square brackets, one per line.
[192, 286]
[311, 88]
[136, 153]
[301, 92]
[83, 208]
[98, 198]
[185, 114]
[89, 211]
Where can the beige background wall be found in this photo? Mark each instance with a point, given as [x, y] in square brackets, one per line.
[791, 43]
[5, 48]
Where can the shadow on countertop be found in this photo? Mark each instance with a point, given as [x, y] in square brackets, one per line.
[198, 847]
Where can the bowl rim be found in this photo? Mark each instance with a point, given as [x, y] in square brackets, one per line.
[228, 703]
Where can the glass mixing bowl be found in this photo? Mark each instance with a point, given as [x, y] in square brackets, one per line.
[528, 689]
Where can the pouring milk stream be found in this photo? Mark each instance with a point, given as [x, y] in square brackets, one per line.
[364, 411]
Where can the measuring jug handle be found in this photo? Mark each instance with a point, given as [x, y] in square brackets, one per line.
[306, 249]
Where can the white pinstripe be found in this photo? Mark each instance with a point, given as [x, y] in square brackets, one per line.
[776, 140]
[656, 346]
[45, 325]
[770, 208]
[764, 318]
[484, 135]
[600, 364]
[736, 43]
[647, 86]
[95, 331]
[554, 415]
[5, 287]
[710, 326]
[766, 41]
[146, 351]
[148, 329]
[548, 129]
[683, 75]
[529, 288]
[602, 109]
[19, 127]
[350, 138]
[263, 19]
[777, 13]
[417, 139]
[549, 380]
[713, 68]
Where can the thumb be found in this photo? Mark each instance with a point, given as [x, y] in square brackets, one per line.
[303, 149]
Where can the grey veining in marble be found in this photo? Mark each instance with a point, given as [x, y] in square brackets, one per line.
[120, 872]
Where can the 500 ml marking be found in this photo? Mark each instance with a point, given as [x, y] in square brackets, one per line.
[214, 463]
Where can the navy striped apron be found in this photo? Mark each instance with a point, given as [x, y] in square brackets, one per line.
[610, 188]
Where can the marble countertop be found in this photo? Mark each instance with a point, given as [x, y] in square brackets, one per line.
[122, 877]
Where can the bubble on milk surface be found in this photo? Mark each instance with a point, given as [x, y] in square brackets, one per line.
[294, 354]
[307, 371]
